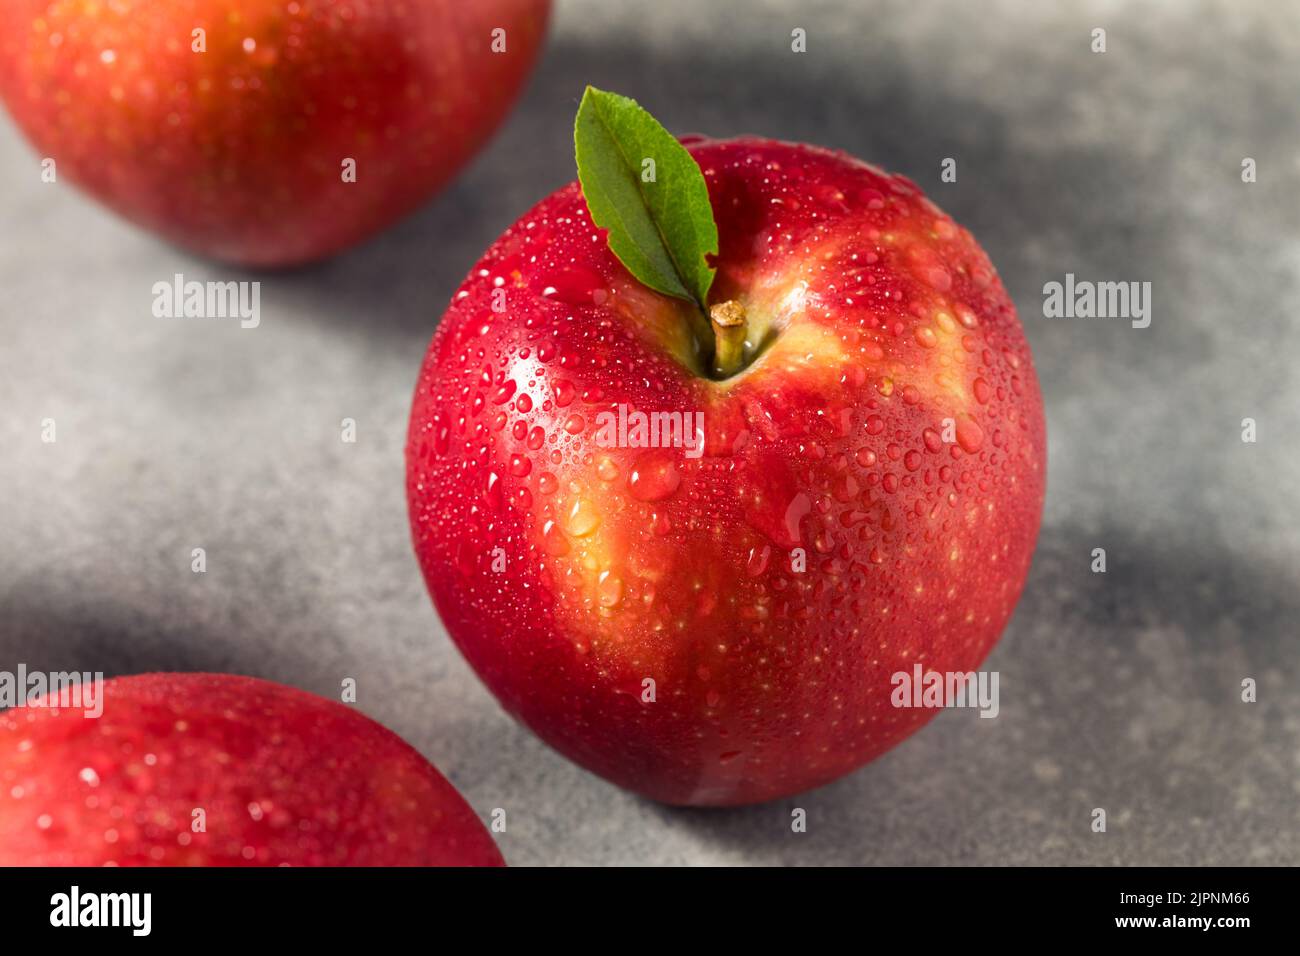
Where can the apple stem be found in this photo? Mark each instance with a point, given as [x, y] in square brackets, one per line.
[728, 320]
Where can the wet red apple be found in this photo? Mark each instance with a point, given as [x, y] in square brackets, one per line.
[722, 627]
[228, 126]
[219, 770]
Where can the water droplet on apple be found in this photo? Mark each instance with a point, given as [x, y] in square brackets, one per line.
[492, 493]
[799, 506]
[846, 488]
[873, 198]
[609, 589]
[937, 277]
[553, 539]
[969, 434]
[503, 394]
[583, 518]
[654, 477]
[576, 286]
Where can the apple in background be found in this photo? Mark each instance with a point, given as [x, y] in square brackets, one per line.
[722, 628]
[237, 150]
[282, 777]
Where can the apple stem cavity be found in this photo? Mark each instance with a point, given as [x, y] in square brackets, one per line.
[660, 226]
[728, 321]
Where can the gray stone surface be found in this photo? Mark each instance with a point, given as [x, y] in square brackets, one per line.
[1118, 690]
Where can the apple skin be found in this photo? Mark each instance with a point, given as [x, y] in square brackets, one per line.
[569, 573]
[285, 778]
[237, 152]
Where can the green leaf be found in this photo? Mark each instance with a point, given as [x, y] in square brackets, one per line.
[660, 230]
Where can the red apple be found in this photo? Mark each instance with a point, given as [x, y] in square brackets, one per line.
[868, 495]
[282, 777]
[237, 150]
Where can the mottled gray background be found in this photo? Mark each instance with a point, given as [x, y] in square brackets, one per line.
[1118, 690]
